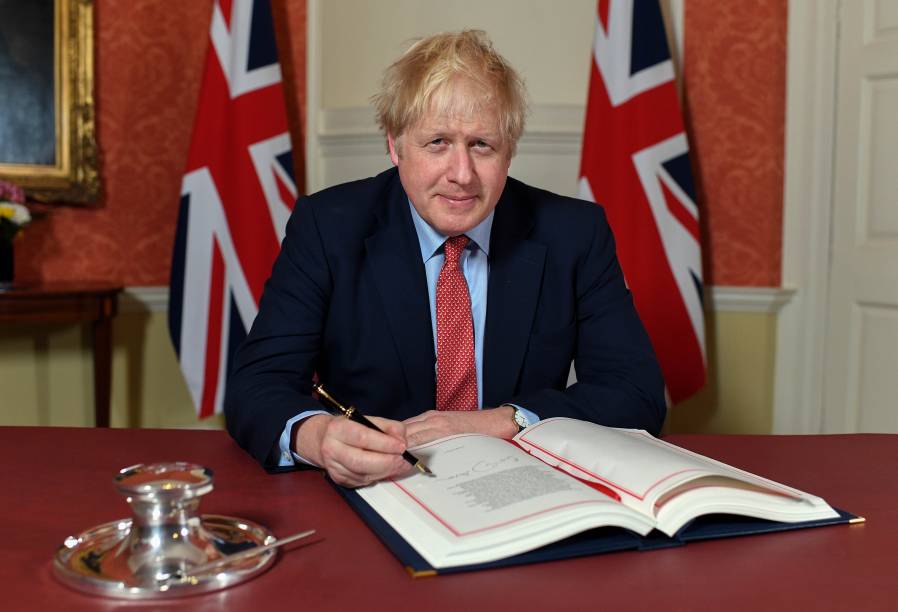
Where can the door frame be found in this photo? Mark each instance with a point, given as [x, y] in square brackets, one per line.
[812, 49]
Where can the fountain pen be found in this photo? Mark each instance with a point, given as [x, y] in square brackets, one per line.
[353, 414]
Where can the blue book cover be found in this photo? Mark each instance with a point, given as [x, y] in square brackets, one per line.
[592, 542]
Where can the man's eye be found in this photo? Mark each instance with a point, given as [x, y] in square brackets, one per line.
[480, 144]
[437, 141]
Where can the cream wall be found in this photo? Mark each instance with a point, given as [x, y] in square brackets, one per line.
[45, 372]
[352, 41]
[540, 38]
[739, 393]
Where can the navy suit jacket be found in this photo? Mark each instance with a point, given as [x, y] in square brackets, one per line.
[347, 299]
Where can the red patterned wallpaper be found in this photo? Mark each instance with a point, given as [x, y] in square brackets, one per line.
[149, 58]
[735, 97]
[148, 62]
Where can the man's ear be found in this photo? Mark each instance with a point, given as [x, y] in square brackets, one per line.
[393, 145]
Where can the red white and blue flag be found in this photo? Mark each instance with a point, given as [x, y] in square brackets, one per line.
[237, 193]
[636, 164]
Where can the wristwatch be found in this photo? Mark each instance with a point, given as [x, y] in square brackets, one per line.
[520, 419]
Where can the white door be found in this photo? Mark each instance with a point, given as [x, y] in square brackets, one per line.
[860, 381]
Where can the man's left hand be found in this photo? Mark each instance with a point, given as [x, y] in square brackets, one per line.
[435, 424]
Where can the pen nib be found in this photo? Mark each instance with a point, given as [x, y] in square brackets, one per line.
[423, 469]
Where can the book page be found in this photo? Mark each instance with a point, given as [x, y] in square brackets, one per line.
[488, 500]
[639, 466]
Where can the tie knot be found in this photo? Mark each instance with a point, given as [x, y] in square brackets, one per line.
[454, 246]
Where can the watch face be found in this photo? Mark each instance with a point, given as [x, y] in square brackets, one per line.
[520, 419]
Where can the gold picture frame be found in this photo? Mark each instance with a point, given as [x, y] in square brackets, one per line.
[72, 177]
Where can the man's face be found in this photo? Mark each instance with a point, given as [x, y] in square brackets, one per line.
[453, 168]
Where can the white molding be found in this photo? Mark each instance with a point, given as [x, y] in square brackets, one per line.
[810, 108]
[154, 298]
[352, 131]
[336, 122]
[351, 146]
[750, 299]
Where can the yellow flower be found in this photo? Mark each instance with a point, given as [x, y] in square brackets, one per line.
[16, 213]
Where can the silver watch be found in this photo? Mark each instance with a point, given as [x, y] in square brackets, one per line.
[520, 419]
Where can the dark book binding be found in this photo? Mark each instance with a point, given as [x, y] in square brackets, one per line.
[591, 542]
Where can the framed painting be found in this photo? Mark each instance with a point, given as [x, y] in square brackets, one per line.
[47, 123]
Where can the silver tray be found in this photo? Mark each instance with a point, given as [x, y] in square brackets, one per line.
[100, 561]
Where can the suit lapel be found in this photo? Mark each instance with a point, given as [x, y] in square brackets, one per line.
[398, 274]
[516, 270]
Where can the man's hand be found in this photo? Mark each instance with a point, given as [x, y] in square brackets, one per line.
[352, 454]
[435, 424]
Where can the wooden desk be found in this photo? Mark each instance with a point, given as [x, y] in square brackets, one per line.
[832, 568]
[92, 302]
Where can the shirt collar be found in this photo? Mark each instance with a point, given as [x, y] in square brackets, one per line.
[431, 240]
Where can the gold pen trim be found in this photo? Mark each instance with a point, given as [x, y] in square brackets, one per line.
[348, 412]
[319, 388]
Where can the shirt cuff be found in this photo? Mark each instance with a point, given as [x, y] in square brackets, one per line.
[288, 457]
[531, 417]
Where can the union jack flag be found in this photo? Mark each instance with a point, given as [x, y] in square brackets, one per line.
[636, 164]
[237, 193]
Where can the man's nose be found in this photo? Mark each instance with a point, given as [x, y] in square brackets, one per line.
[461, 168]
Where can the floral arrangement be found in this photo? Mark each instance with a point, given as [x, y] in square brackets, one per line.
[13, 214]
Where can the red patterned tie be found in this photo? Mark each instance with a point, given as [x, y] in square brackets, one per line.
[456, 369]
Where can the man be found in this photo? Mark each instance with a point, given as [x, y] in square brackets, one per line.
[441, 296]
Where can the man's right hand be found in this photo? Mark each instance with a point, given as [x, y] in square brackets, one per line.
[352, 454]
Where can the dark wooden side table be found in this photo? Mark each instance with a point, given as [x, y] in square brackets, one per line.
[72, 302]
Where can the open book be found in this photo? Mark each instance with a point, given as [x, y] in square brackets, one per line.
[491, 499]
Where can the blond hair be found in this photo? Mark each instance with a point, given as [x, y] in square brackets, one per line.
[426, 75]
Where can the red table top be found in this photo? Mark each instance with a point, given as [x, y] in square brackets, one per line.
[58, 482]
